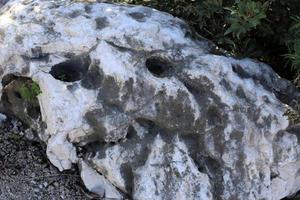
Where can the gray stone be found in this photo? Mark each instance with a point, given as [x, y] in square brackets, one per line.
[146, 111]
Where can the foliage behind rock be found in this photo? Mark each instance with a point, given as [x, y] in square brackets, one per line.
[265, 30]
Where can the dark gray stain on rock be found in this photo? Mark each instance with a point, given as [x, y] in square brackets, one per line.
[214, 115]
[132, 143]
[2, 34]
[226, 84]
[26, 2]
[72, 87]
[254, 114]
[238, 69]
[101, 22]
[51, 33]
[138, 16]
[94, 120]
[128, 90]
[201, 88]
[133, 42]
[239, 174]
[127, 175]
[19, 39]
[236, 135]
[109, 92]
[88, 8]
[94, 76]
[240, 92]
[284, 91]
[37, 54]
[170, 112]
[213, 168]
[218, 138]
[75, 14]
[25, 70]
[108, 116]
[240, 123]
[133, 140]
[266, 99]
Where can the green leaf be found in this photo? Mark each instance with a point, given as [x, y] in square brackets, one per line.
[29, 91]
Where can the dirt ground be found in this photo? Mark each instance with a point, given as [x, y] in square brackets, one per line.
[25, 172]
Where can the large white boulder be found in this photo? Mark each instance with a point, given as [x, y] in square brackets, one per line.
[144, 108]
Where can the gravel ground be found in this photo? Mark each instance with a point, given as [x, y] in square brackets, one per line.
[25, 172]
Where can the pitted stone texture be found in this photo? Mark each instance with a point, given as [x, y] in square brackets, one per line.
[128, 93]
[3, 2]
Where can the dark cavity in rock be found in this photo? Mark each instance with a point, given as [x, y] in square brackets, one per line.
[19, 99]
[71, 70]
[158, 67]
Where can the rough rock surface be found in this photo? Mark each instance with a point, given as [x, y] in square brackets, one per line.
[2, 2]
[144, 108]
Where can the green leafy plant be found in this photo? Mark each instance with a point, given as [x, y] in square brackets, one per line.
[294, 56]
[29, 91]
[62, 77]
[260, 29]
[294, 44]
[245, 16]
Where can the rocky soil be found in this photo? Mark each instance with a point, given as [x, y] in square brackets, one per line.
[26, 173]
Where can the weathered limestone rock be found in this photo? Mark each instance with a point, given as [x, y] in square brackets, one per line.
[144, 108]
[2, 2]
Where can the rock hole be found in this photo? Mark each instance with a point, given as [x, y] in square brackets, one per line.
[131, 132]
[19, 99]
[71, 70]
[158, 67]
[18, 95]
